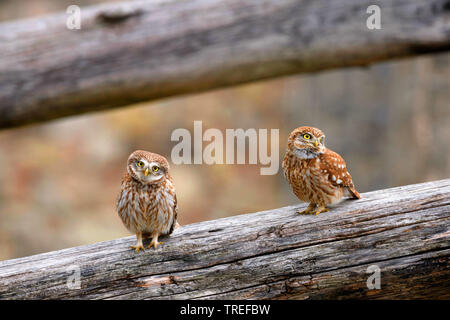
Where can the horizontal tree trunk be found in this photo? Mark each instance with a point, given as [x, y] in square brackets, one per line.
[135, 51]
[275, 254]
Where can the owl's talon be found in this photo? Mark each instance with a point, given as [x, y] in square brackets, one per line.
[138, 247]
[308, 210]
[320, 210]
[139, 244]
[154, 244]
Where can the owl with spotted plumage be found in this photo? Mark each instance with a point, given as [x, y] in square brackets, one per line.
[316, 174]
[147, 203]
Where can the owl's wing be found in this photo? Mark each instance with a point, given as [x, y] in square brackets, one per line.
[175, 214]
[338, 175]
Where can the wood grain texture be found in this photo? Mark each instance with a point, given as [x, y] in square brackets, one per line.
[143, 50]
[275, 254]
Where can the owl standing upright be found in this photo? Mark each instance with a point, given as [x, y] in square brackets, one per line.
[147, 203]
[316, 174]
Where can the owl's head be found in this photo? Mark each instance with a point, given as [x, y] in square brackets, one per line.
[306, 142]
[147, 167]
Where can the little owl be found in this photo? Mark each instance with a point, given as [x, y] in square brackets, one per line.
[147, 203]
[316, 174]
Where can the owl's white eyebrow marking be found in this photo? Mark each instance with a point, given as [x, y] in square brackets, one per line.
[334, 178]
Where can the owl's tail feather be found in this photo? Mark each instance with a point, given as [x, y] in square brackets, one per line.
[353, 193]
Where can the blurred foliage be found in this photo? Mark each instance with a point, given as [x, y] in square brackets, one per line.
[60, 179]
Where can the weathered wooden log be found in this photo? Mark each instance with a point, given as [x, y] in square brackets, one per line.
[275, 254]
[135, 51]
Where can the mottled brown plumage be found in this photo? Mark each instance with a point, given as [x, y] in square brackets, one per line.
[147, 203]
[316, 174]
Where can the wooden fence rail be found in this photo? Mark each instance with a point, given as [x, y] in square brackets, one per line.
[135, 51]
[275, 254]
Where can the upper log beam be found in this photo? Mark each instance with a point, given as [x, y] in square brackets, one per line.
[135, 51]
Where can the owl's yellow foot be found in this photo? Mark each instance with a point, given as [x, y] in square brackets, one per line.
[308, 210]
[138, 247]
[139, 244]
[154, 242]
[320, 210]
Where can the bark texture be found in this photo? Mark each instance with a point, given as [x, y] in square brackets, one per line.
[275, 254]
[136, 51]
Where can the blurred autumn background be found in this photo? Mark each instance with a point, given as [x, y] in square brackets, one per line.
[59, 180]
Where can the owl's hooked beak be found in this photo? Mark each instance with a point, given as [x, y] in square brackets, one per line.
[316, 143]
[146, 172]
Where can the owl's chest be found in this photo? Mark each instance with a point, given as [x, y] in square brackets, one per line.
[153, 200]
[141, 202]
[304, 176]
[147, 208]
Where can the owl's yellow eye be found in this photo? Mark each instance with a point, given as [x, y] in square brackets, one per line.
[140, 164]
[307, 136]
[155, 168]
